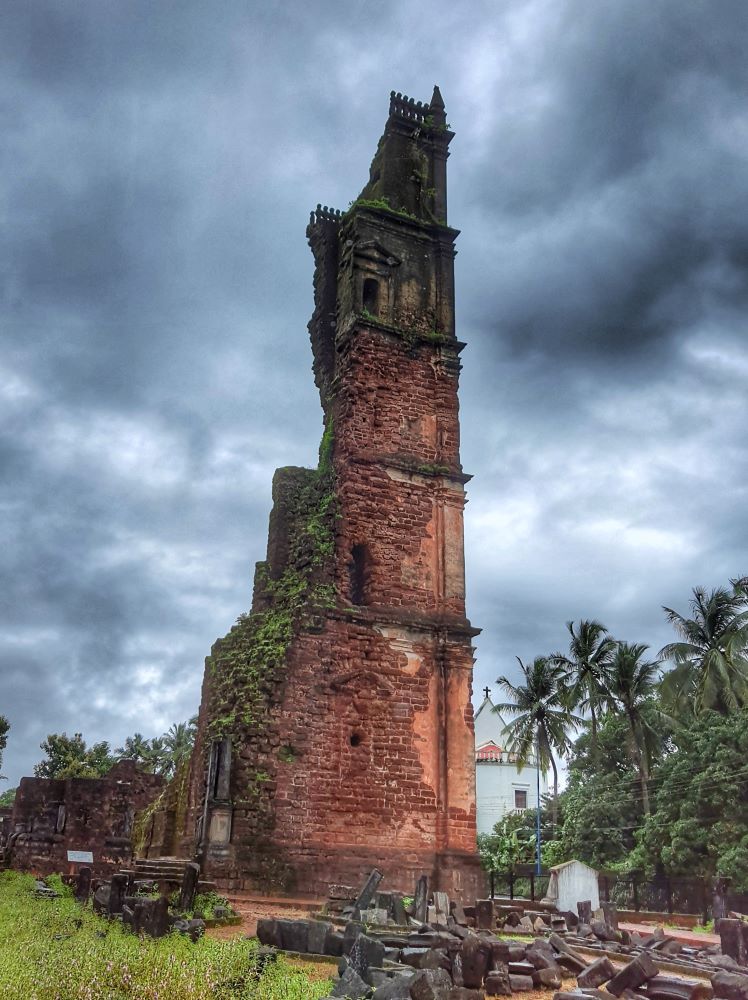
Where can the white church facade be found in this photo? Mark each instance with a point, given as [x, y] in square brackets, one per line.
[500, 787]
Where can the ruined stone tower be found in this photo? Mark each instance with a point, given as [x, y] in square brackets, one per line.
[336, 726]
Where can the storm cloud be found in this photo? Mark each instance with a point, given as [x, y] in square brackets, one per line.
[158, 166]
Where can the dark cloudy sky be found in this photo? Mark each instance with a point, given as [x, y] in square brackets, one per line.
[159, 161]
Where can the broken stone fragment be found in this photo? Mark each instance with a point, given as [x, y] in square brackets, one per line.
[729, 986]
[431, 984]
[596, 974]
[351, 986]
[520, 984]
[633, 975]
[395, 989]
[497, 983]
[475, 955]
[547, 979]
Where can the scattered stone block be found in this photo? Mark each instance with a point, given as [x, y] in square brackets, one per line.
[351, 986]
[366, 951]
[497, 983]
[732, 938]
[610, 914]
[520, 984]
[633, 975]
[395, 989]
[729, 985]
[547, 979]
[83, 885]
[318, 932]
[414, 957]
[484, 917]
[117, 891]
[365, 897]
[463, 993]
[294, 935]
[431, 984]
[598, 973]
[188, 889]
[584, 909]
[269, 932]
[458, 912]
[475, 955]
[352, 930]
[421, 899]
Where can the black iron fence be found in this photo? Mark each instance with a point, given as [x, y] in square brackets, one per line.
[667, 894]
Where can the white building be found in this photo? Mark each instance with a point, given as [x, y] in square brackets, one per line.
[500, 787]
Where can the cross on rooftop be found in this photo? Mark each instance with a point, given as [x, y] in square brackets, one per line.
[487, 691]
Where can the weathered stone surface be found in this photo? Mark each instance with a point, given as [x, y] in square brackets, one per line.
[484, 917]
[584, 909]
[352, 930]
[610, 914]
[521, 968]
[463, 993]
[547, 979]
[318, 933]
[475, 955]
[732, 938]
[729, 986]
[520, 984]
[269, 932]
[394, 989]
[188, 889]
[633, 975]
[431, 984]
[83, 884]
[366, 951]
[351, 986]
[414, 957]
[117, 890]
[497, 983]
[365, 897]
[598, 973]
[294, 935]
[569, 958]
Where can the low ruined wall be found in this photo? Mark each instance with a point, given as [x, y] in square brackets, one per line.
[51, 817]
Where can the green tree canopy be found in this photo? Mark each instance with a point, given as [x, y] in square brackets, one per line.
[70, 757]
[699, 823]
[542, 717]
[590, 651]
[631, 681]
[711, 657]
[8, 797]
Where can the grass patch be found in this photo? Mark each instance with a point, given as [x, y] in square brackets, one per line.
[57, 950]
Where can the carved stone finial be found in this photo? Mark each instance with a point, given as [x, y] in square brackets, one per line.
[437, 107]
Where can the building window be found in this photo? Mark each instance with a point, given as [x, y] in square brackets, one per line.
[371, 296]
[520, 798]
[360, 573]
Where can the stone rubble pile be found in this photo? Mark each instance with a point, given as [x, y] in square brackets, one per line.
[133, 901]
[431, 948]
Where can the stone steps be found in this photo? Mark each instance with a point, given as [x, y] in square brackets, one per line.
[166, 870]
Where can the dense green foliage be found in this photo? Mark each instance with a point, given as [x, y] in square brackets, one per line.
[8, 797]
[56, 950]
[657, 777]
[70, 756]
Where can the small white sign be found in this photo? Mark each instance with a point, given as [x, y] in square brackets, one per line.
[81, 857]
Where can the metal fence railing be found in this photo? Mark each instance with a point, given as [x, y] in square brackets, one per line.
[666, 894]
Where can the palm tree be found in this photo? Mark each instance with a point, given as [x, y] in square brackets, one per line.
[543, 717]
[711, 659]
[136, 748]
[178, 743]
[591, 649]
[631, 681]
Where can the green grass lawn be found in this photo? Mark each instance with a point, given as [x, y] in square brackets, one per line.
[57, 950]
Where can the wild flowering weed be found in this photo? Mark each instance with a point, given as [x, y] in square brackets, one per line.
[57, 950]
